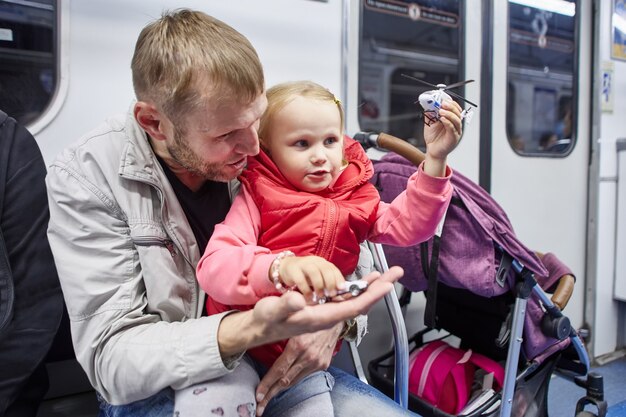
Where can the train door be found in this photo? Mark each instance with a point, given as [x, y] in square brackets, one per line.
[527, 143]
[538, 149]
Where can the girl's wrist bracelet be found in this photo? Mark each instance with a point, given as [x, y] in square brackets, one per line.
[275, 269]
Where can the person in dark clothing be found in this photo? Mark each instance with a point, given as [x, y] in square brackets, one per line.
[31, 302]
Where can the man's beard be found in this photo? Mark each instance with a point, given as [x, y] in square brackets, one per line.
[184, 156]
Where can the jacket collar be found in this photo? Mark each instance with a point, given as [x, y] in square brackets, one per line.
[138, 160]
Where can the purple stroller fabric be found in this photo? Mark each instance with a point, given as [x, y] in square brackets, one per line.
[469, 257]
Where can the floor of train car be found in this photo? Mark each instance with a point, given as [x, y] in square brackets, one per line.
[562, 396]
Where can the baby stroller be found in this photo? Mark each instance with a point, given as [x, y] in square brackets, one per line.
[484, 287]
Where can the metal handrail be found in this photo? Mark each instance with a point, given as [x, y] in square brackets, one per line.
[400, 337]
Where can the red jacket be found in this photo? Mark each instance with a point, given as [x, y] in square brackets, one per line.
[330, 224]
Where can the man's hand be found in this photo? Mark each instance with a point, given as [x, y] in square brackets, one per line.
[442, 137]
[279, 318]
[289, 315]
[302, 356]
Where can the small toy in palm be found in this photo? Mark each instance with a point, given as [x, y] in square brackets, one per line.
[353, 288]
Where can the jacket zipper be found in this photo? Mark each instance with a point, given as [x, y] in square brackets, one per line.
[327, 233]
[155, 241]
[198, 296]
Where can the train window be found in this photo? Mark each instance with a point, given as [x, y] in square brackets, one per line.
[28, 58]
[541, 73]
[424, 43]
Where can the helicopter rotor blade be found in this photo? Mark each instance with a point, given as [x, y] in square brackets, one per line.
[453, 94]
[445, 88]
[460, 83]
[418, 80]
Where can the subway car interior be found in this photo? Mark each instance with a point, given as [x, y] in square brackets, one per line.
[545, 145]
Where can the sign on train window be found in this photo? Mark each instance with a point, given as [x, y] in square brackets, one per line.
[28, 59]
[541, 74]
[419, 38]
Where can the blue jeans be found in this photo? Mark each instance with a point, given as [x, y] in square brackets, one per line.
[313, 385]
[350, 397]
[159, 405]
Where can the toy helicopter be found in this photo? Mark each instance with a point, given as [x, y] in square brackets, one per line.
[431, 100]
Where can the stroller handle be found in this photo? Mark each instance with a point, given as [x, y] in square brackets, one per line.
[401, 147]
[391, 143]
[563, 291]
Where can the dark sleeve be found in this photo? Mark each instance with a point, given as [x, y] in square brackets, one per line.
[37, 304]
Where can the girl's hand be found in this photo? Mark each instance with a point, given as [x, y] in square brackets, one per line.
[442, 137]
[310, 274]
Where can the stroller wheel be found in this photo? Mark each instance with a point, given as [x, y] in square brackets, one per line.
[595, 396]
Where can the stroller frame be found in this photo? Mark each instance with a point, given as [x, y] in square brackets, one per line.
[525, 285]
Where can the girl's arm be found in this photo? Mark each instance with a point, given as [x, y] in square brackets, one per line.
[441, 138]
[413, 216]
[234, 269]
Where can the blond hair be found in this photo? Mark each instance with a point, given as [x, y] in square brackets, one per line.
[185, 51]
[281, 94]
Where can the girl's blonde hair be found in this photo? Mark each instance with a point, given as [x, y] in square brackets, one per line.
[281, 94]
[186, 54]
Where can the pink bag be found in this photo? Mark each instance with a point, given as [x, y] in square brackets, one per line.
[442, 375]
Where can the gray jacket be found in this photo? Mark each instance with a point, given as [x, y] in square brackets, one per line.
[126, 258]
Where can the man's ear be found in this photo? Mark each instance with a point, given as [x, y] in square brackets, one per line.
[150, 119]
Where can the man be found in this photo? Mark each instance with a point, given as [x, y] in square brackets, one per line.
[132, 207]
[31, 303]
